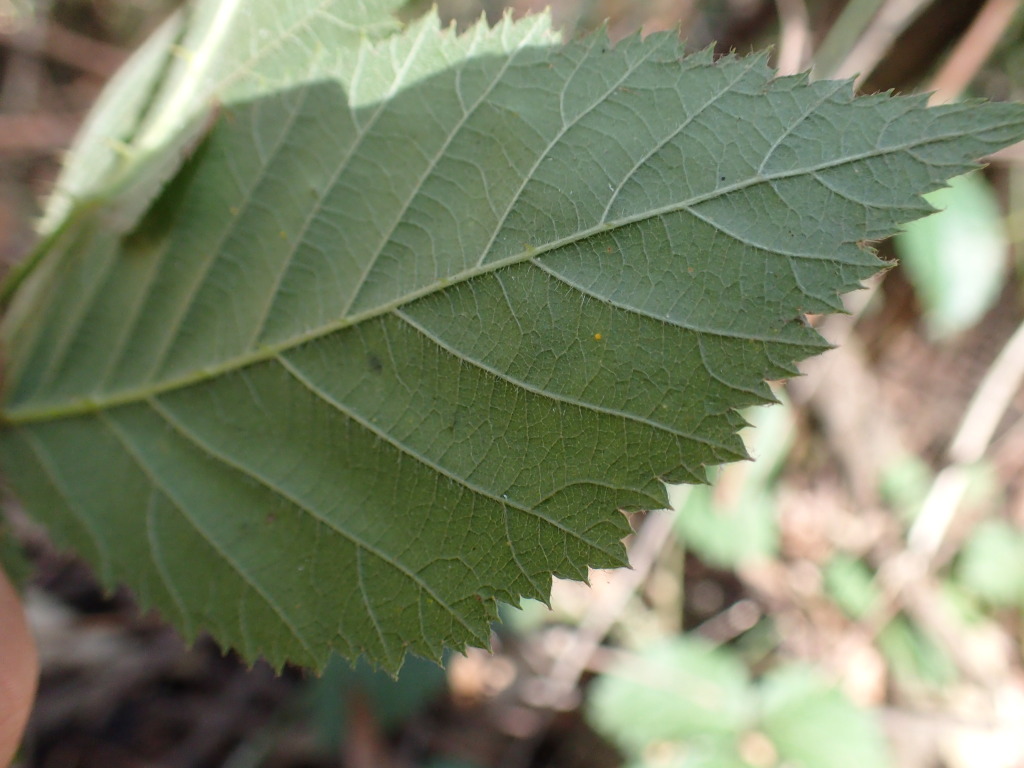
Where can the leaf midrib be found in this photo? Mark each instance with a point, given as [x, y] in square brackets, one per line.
[82, 406]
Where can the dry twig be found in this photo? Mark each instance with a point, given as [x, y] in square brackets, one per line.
[888, 24]
[973, 49]
[794, 37]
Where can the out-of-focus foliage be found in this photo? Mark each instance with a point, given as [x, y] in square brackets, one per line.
[991, 564]
[391, 699]
[684, 703]
[956, 258]
[733, 521]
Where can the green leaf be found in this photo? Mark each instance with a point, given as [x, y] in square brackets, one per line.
[422, 310]
[153, 113]
[105, 136]
[216, 50]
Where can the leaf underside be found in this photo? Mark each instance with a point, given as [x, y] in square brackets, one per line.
[422, 310]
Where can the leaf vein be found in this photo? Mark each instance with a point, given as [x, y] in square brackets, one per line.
[156, 552]
[661, 318]
[406, 450]
[431, 166]
[65, 343]
[199, 279]
[554, 141]
[525, 385]
[836, 87]
[189, 435]
[366, 600]
[44, 411]
[363, 131]
[44, 462]
[754, 62]
[129, 447]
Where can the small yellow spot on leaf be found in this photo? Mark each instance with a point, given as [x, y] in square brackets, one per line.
[598, 337]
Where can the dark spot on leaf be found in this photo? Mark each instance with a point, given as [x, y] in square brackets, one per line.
[374, 363]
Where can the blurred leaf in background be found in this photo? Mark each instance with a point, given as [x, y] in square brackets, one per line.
[813, 724]
[904, 484]
[686, 703]
[956, 258]
[991, 564]
[681, 692]
[733, 521]
[913, 657]
[850, 584]
[447, 763]
[392, 700]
